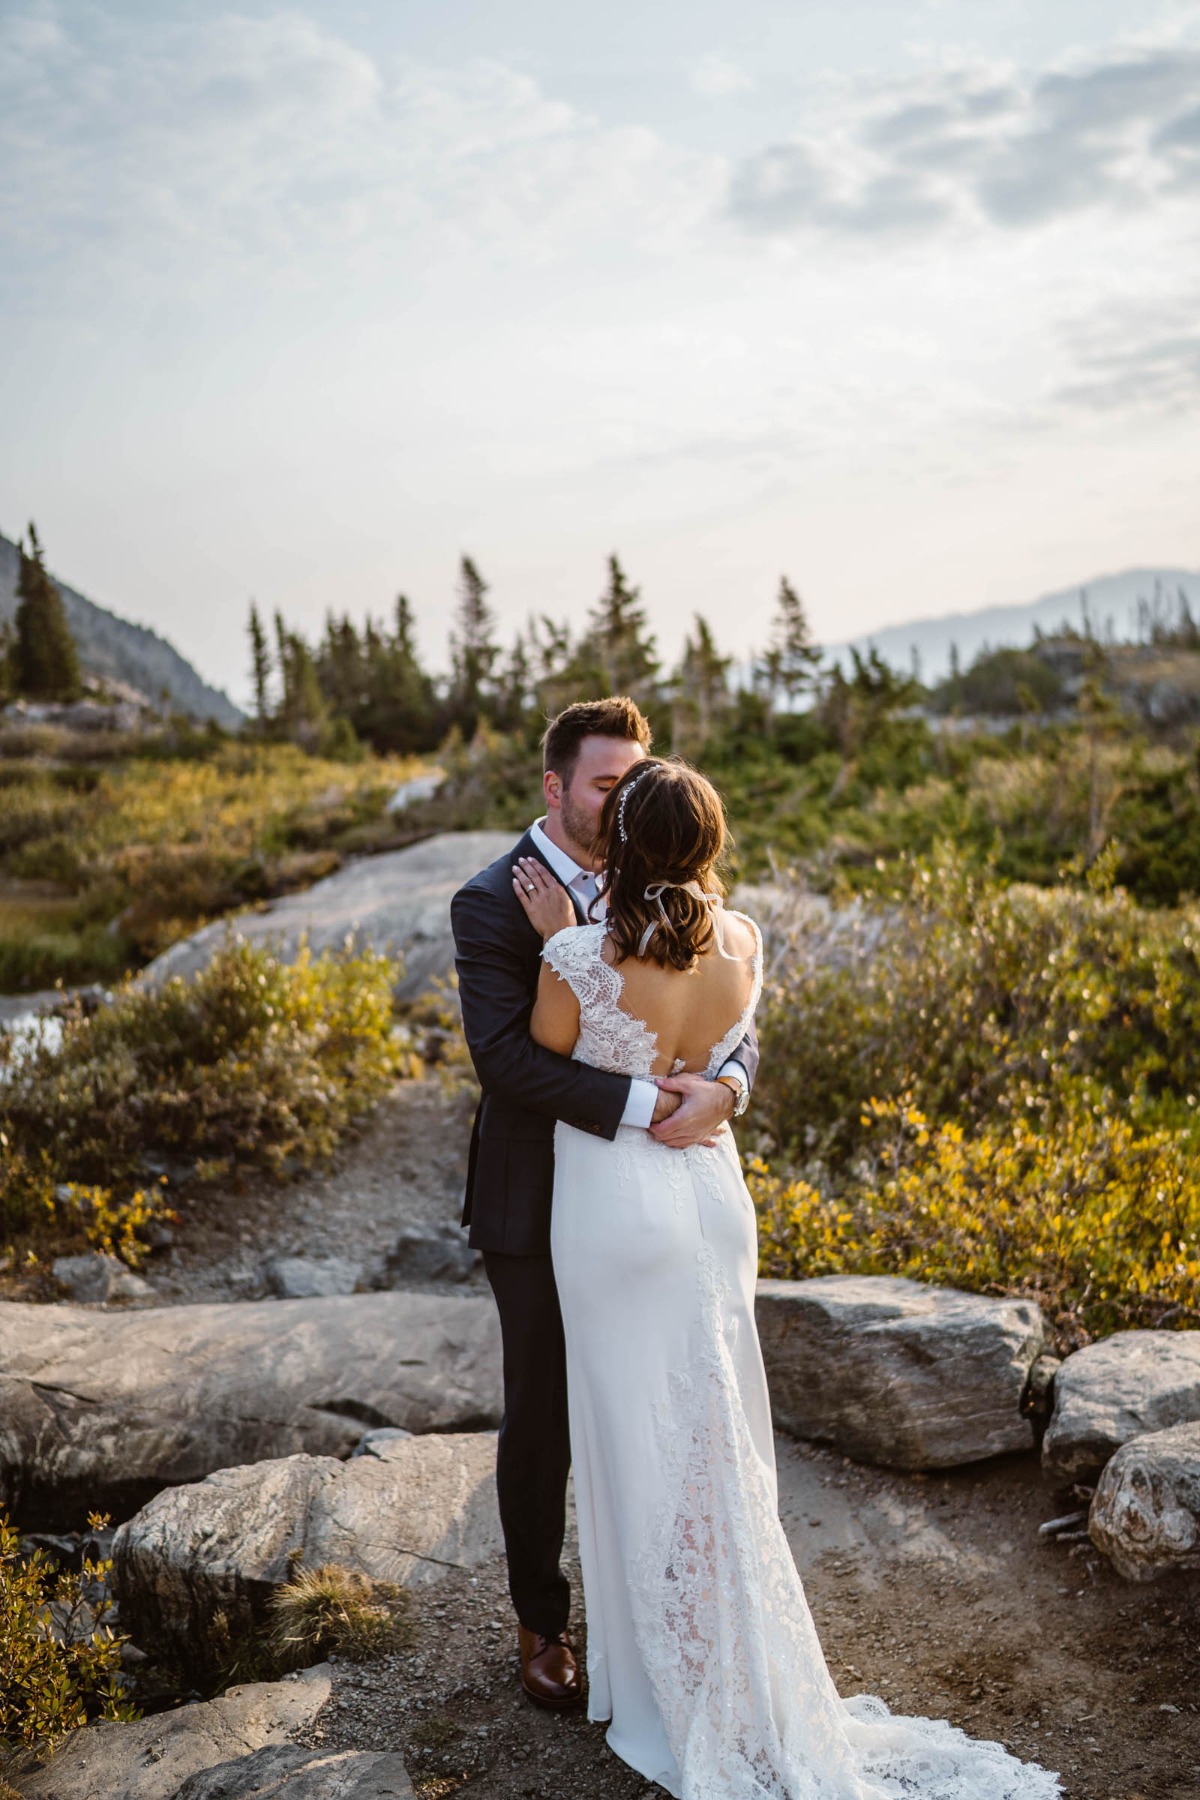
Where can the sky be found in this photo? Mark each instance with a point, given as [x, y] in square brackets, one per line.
[302, 303]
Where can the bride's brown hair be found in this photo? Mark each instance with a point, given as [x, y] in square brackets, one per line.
[663, 823]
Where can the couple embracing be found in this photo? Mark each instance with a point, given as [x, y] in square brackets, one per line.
[608, 1000]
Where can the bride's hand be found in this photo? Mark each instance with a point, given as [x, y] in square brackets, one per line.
[547, 903]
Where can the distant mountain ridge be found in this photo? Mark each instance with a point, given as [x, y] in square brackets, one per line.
[112, 646]
[1110, 598]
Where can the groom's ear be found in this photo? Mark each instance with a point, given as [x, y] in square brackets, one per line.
[552, 788]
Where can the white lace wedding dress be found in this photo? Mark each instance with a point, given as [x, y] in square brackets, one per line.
[701, 1647]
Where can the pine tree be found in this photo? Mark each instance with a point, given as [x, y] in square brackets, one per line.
[701, 689]
[43, 659]
[514, 687]
[473, 651]
[260, 669]
[791, 660]
[617, 644]
[302, 711]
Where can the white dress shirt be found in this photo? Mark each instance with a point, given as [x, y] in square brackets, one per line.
[584, 884]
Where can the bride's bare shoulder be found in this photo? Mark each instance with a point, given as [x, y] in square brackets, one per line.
[739, 933]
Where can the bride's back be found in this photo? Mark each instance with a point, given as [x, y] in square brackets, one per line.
[691, 1011]
[688, 969]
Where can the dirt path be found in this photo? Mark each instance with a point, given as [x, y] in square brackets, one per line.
[404, 1168]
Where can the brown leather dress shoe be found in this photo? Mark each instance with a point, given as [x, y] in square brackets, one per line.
[549, 1672]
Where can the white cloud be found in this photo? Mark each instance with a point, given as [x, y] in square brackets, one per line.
[988, 146]
[274, 142]
[717, 76]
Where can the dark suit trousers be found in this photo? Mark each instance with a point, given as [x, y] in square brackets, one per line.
[534, 1455]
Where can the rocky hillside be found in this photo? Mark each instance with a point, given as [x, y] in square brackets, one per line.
[111, 646]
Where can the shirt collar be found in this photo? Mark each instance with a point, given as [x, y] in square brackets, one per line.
[564, 866]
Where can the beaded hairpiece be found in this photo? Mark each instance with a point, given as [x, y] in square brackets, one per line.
[621, 805]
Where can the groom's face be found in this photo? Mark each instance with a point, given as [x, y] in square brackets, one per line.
[602, 762]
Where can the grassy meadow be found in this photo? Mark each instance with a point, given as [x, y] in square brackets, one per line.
[104, 865]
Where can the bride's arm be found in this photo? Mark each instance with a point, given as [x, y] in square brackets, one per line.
[554, 1021]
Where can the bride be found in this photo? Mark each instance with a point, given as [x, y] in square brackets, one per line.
[701, 1649]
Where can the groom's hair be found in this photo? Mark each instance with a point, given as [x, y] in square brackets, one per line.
[617, 717]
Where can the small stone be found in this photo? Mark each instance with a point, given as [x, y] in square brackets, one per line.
[311, 1277]
[438, 1254]
[371, 1443]
[1145, 1515]
[97, 1279]
[1114, 1390]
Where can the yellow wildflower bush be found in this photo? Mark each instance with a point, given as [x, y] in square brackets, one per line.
[1095, 1218]
[60, 1659]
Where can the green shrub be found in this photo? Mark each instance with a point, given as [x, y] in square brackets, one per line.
[976, 998]
[255, 1063]
[60, 1659]
[990, 1086]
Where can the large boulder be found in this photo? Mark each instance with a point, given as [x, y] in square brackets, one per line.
[1107, 1393]
[102, 1409]
[398, 902]
[1145, 1513]
[151, 1759]
[287, 1772]
[892, 1371]
[403, 1514]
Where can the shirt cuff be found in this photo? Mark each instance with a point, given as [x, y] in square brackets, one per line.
[639, 1108]
[738, 1073]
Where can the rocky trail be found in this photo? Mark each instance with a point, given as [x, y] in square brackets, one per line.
[400, 1177]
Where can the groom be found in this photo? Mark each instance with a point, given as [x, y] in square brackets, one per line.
[510, 1170]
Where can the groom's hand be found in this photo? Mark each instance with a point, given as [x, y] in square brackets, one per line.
[665, 1105]
[704, 1107]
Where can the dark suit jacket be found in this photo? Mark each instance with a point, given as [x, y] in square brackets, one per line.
[526, 1088]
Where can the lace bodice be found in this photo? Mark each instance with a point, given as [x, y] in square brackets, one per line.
[610, 1038]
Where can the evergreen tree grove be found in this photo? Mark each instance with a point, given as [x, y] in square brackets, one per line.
[43, 661]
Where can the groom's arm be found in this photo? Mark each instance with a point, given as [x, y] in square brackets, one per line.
[743, 1062]
[493, 986]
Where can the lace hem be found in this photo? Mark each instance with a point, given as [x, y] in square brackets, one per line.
[727, 1640]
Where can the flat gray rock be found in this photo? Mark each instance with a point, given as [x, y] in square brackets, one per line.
[151, 1759]
[896, 1372]
[102, 1409]
[286, 1772]
[1145, 1513]
[405, 1514]
[1107, 1393]
[398, 902]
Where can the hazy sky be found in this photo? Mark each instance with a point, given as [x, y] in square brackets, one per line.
[301, 303]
